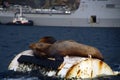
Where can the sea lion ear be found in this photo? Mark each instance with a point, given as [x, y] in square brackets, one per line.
[48, 39]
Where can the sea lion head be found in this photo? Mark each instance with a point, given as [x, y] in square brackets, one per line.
[40, 48]
[47, 39]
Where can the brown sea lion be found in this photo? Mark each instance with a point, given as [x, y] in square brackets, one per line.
[64, 48]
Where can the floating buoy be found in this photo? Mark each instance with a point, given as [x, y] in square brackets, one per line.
[84, 68]
[70, 67]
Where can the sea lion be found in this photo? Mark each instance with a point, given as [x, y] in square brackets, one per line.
[65, 48]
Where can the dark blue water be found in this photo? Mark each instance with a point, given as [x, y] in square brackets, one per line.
[15, 39]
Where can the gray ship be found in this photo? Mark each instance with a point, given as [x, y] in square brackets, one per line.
[77, 13]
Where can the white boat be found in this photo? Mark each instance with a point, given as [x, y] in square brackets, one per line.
[19, 19]
[90, 13]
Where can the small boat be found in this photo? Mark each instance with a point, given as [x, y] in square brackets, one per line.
[19, 19]
[68, 67]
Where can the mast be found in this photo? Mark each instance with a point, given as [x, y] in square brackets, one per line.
[20, 11]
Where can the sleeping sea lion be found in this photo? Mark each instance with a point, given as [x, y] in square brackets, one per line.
[64, 48]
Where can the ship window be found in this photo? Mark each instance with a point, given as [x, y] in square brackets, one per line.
[110, 5]
[93, 19]
[102, 0]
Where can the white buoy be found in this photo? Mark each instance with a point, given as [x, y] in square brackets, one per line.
[72, 67]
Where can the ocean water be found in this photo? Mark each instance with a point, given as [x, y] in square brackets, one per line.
[15, 39]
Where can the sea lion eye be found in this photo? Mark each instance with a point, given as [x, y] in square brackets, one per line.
[41, 45]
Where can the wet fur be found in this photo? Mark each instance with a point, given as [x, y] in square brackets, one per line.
[64, 48]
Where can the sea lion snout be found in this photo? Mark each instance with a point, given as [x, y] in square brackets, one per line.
[32, 46]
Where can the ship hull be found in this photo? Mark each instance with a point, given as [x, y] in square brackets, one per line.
[65, 22]
[102, 13]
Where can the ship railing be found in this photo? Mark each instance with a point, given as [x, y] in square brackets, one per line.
[50, 11]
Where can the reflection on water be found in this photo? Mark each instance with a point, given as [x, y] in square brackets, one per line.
[15, 39]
